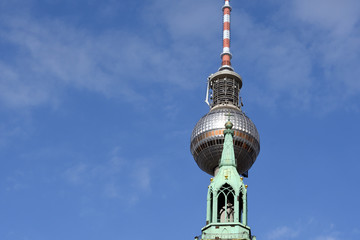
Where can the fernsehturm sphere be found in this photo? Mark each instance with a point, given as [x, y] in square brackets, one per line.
[223, 97]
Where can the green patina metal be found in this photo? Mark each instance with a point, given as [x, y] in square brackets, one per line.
[228, 155]
[227, 198]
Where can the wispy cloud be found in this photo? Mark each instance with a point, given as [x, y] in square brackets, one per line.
[54, 55]
[278, 61]
[50, 55]
[311, 229]
[283, 232]
[141, 177]
[116, 178]
[76, 174]
[16, 181]
[305, 57]
[331, 28]
[339, 17]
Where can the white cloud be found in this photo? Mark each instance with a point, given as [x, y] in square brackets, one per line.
[52, 55]
[14, 91]
[76, 174]
[311, 229]
[283, 232]
[337, 16]
[335, 45]
[277, 61]
[16, 181]
[142, 178]
[111, 190]
[306, 60]
[304, 57]
[184, 23]
[14, 127]
[116, 178]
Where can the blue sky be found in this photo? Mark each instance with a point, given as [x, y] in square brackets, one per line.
[98, 100]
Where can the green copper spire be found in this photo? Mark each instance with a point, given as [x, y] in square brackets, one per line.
[226, 216]
[228, 155]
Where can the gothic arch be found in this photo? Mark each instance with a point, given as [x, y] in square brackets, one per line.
[225, 202]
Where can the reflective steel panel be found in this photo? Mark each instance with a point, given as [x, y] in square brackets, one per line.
[207, 139]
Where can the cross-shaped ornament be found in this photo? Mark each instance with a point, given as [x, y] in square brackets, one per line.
[229, 115]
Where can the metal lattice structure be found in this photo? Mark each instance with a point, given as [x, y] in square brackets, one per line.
[225, 86]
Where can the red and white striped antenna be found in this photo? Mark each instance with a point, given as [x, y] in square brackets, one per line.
[226, 54]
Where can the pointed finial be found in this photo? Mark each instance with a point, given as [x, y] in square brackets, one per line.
[228, 155]
[228, 124]
[229, 115]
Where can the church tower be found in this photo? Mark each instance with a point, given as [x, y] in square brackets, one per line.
[226, 216]
[227, 154]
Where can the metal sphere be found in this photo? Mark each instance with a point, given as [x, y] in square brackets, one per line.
[207, 139]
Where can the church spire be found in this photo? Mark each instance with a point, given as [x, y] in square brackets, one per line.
[228, 155]
[226, 216]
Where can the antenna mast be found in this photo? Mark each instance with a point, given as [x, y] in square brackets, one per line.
[226, 54]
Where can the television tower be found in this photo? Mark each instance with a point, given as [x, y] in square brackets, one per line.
[226, 153]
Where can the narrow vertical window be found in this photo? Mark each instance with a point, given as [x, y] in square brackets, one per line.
[241, 207]
[221, 207]
[230, 208]
[211, 207]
